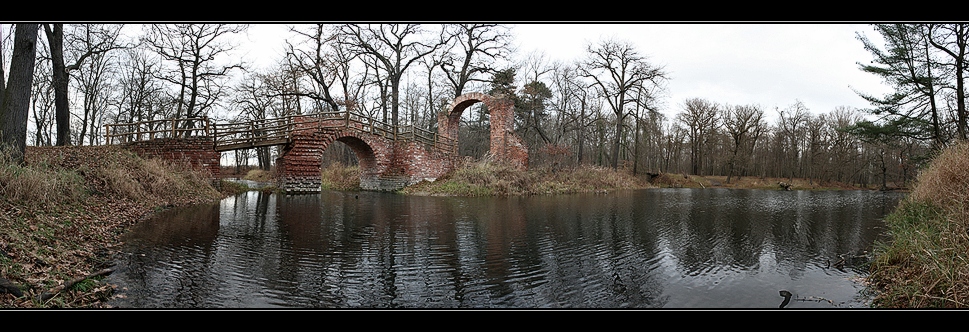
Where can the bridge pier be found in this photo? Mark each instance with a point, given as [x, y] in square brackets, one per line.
[385, 183]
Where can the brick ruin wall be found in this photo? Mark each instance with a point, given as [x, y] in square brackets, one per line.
[506, 146]
[198, 152]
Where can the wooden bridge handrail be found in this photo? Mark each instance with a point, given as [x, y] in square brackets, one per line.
[253, 132]
[128, 132]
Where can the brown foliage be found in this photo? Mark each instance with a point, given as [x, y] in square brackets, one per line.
[945, 182]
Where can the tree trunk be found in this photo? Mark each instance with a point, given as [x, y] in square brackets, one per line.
[16, 100]
[615, 144]
[55, 39]
[581, 138]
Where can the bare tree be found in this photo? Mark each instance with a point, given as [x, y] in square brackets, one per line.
[393, 48]
[616, 70]
[700, 117]
[137, 86]
[85, 41]
[254, 100]
[952, 40]
[476, 47]
[573, 102]
[791, 124]
[42, 99]
[96, 91]
[741, 122]
[318, 64]
[844, 146]
[195, 50]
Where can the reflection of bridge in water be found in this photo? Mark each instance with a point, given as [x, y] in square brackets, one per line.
[390, 157]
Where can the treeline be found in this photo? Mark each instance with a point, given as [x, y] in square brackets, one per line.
[604, 108]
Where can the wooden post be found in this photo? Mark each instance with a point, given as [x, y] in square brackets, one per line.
[215, 136]
[289, 126]
[173, 128]
[205, 119]
[252, 132]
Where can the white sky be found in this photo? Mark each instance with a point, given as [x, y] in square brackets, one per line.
[772, 65]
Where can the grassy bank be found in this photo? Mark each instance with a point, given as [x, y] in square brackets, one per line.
[496, 179]
[925, 263]
[62, 214]
[669, 180]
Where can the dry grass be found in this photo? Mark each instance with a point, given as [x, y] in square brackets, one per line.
[339, 177]
[110, 170]
[926, 262]
[945, 182]
[488, 178]
[38, 184]
[258, 175]
[669, 180]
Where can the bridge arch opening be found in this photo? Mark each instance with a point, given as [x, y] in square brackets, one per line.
[343, 157]
[339, 153]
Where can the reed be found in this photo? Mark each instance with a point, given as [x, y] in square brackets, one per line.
[339, 177]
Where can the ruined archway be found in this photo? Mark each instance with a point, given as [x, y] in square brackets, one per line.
[505, 145]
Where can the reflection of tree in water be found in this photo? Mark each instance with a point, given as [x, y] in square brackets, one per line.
[364, 249]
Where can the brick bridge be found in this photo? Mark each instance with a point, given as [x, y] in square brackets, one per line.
[390, 158]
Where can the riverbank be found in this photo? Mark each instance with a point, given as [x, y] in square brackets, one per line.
[668, 180]
[486, 178]
[925, 262]
[494, 179]
[63, 212]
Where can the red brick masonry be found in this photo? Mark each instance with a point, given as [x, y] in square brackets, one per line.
[386, 164]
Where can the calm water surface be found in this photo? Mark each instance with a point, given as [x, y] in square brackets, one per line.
[654, 248]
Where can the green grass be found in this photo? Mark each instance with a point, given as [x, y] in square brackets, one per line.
[85, 285]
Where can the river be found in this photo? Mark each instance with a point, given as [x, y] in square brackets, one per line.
[650, 248]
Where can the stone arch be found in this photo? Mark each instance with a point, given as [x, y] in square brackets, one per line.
[300, 163]
[505, 144]
[365, 154]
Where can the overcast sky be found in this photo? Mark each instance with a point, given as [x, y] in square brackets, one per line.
[771, 65]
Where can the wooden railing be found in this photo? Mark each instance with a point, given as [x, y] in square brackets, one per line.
[266, 132]
[148, 130]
